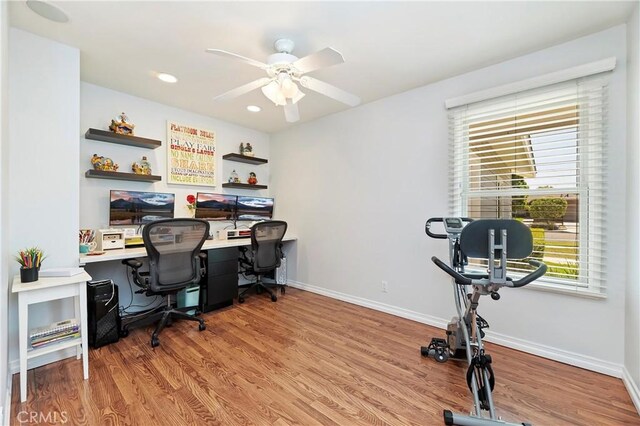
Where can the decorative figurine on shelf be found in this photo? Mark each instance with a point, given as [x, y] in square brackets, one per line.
[109, 165]
[234, 177]
[248, 150]
[121, 126]
[253, 179]
[101, 163]
[143, 168]
[97, 161]
[241, 148]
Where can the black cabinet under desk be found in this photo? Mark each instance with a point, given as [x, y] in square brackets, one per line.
[219, 286]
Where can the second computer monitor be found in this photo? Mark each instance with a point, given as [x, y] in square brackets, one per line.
[254, 208]
[215, 206]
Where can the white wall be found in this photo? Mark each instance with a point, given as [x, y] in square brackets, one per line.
[98, 106]
[44, 106]
[358, 186]
[4, 208]
[632, 300]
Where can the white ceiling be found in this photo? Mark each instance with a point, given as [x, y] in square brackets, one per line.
[389, 47]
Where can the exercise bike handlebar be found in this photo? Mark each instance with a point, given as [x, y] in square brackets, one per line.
[540, 271]
[460, 279]
[463, 280]
[427, 227]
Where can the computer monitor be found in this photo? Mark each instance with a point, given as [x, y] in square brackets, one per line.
[139, 208]
[254, 208]
[215, 206]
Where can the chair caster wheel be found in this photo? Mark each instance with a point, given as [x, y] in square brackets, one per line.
[281, 290]
[202, 326]
[124, 332]
[240, 299]
[258, 290]
[155, 342]
[274, 298]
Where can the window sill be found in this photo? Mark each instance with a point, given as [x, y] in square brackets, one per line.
[561, 289]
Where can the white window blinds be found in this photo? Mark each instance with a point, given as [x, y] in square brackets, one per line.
[539, 156]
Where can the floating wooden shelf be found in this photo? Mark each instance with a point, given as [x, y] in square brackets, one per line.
[243, 186]
[244, 159]
[104, 136]
[103, 174]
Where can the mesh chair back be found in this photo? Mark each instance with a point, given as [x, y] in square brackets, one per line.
[266, 238]
[474, 239]
[173, 246]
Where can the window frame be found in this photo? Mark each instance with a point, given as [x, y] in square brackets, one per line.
[460, 184]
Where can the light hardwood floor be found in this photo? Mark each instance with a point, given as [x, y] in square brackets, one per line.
[306, 360]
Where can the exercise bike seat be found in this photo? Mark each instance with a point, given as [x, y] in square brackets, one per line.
[473, 239]
[473, 243]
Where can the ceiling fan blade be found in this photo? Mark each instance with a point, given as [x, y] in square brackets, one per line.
[329, 90]
[321, 59]
[246, 88]
[249, 61]
[291, 112]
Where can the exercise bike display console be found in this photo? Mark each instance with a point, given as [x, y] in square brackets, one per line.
[485, 239]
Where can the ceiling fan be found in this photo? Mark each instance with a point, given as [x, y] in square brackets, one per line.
[284, 70]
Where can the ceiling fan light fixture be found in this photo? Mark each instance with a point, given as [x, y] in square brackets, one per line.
[289, 88]
[273, 92]
[297, 97]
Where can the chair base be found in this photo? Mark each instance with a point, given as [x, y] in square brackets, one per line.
[164, 317]
[260, 287]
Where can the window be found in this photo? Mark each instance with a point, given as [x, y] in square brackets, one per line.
[539, 156]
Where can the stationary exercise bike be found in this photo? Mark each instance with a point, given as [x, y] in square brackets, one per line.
[489, 240]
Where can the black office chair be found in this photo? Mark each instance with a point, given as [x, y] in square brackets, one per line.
[173, 249]
[264, 257]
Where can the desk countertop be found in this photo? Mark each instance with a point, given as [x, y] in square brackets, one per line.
[128, 253]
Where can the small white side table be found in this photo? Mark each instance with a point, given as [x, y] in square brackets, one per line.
[44, 290]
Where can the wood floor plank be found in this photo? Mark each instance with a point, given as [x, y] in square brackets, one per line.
[307, 360]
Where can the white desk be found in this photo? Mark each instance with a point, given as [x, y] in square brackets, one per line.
[129, 253]
[44, 290]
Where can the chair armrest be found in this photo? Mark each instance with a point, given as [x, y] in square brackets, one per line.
[244, 259]
[141, 279]
[245, 262]
[132, 263]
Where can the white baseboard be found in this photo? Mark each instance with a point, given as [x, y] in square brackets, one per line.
[6, 412]
[555, 354]
[382, 307]
[632, 388]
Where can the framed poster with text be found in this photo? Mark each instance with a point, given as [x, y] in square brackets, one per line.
[191, 155]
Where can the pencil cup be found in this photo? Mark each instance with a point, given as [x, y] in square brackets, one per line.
[87, 247]
[28, 275]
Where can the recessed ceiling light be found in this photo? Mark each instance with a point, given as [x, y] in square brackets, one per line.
[167, 78]
[48, 11]
[254, 108]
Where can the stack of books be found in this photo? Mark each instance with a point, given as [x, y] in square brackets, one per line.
[54, 333]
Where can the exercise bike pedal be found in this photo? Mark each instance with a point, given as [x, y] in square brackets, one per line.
[438, 349]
